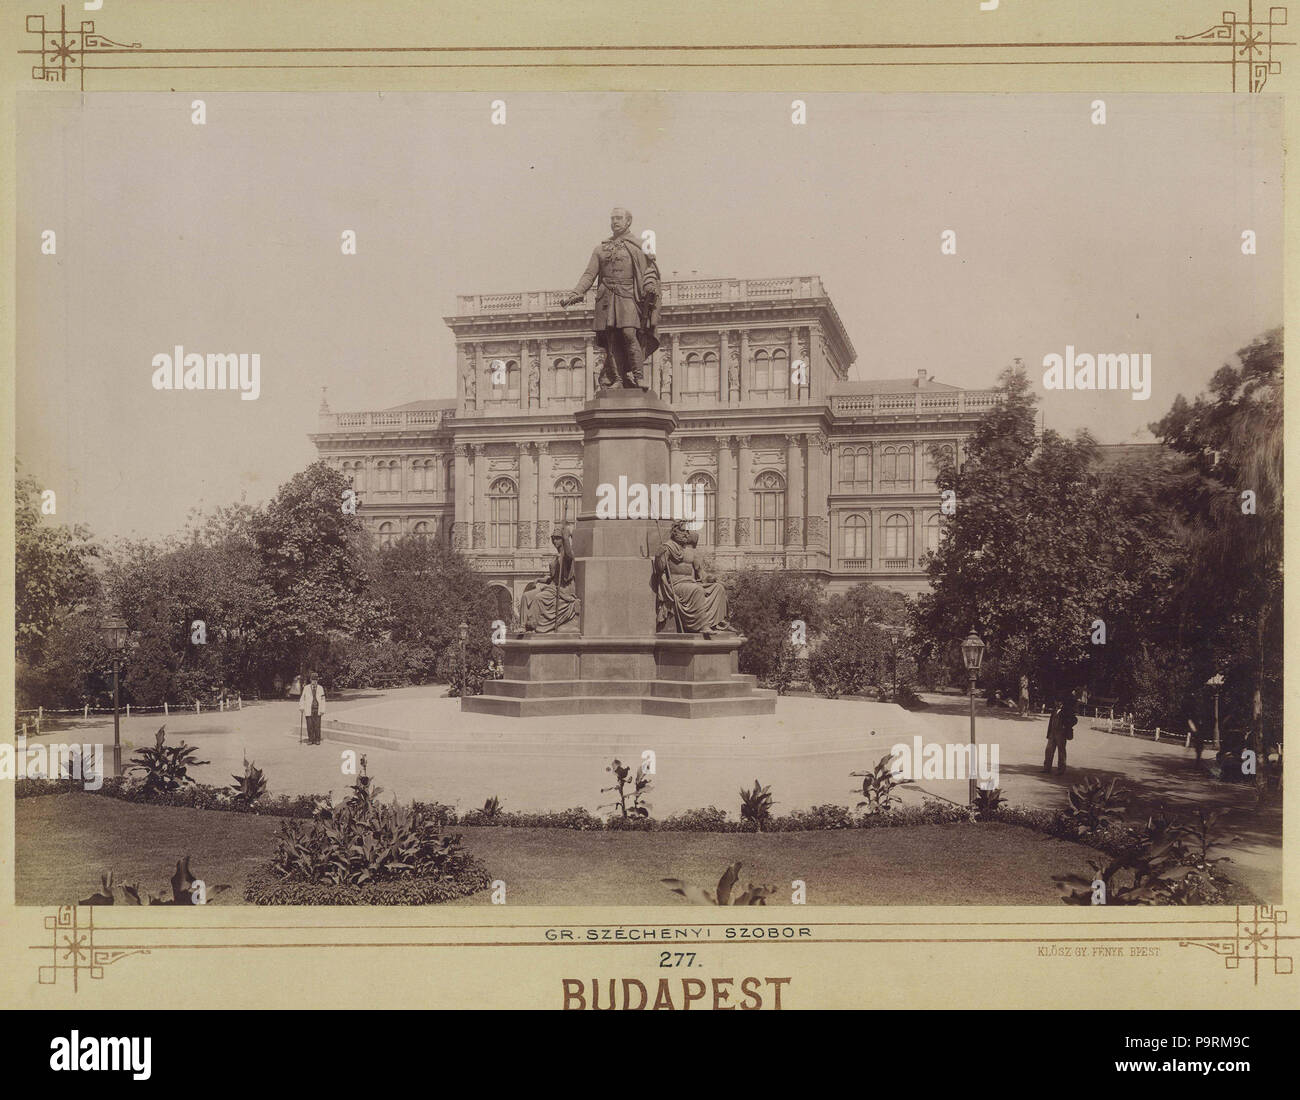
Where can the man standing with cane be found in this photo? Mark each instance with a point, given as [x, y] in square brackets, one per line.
[312, 706]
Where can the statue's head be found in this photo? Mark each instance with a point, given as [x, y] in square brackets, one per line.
[557, 540]
[681, 532]
[620, 219]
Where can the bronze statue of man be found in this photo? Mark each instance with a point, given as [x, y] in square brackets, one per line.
[627, 302]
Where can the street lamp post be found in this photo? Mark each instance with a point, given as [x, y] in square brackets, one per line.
[464, 637]
[1216, 682]
[972, 652]
[113, 631]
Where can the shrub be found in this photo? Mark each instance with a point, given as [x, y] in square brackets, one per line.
[828, 816]
[878, 785]
[756, 805]
[708, 820]
[1094, 804]
[165, 767]
[987, 802]
[249, 787]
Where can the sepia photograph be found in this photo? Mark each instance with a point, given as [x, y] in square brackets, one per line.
[648, 499]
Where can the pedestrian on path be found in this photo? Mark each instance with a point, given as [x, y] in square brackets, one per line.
[1060, 729]
[1024, 694]
[312, 705]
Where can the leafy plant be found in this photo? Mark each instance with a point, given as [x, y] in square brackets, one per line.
[878, 785]
[182, 890]
[492, 807]
[756, 805]
[1147, 874]
[987, 802]
[1203, 835]
[165, 767]
[698, 895]
[628, 782]
[362, 841]
[364, 790]
[249, 787]
[1094, 805]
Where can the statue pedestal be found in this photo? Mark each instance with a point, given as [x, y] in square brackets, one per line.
[617, 663]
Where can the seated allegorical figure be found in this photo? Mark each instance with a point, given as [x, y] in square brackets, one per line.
[687, 601]
[550, 603]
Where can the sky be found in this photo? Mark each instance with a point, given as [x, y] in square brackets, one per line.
[225, 237]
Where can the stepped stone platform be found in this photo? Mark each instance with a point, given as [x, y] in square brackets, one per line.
[795, 728]
[665, 675]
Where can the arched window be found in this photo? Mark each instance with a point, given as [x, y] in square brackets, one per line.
[560, 377]
[710, 372]
[420, 531]
[701, 486]
[769, 509]
[934, 533]
[896, 469]
[577, 376]
[567, 495]
[694, 373]
[897, 530]
[355, 472]
[855, 537]
[386, 534]
[780, 371]
[762, 372]
[504, 503]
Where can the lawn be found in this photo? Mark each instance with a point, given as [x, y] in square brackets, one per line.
[64, 842]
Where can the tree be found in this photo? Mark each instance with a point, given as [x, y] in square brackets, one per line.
[52, 570]
[1233, 436]
[311, 554]
[422, 592]
[764, 606]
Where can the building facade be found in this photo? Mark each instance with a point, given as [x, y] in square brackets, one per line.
[801, 468]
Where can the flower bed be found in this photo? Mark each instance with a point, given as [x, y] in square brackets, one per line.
[264, 888]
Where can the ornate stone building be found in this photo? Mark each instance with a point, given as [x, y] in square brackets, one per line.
[801, 469]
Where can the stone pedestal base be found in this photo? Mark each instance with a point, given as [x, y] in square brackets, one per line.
[669, 675]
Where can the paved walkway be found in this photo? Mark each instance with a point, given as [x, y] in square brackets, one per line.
[553, 764]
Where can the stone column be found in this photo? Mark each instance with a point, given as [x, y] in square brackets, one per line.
[744, 366]
[794, 496]
[542, 367]
[724, 358]
[671, 343]
[806, 338]
[544, 480]
[790, 388]
[591, 369]
[676, 460]
[744, 490]
[725, 502]
[478, 454]
[525, 374]
[527, 496]
[816, 535]
[462, 501]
